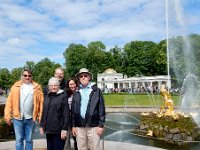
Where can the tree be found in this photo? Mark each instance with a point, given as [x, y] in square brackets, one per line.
[95, 58]
[138, 58]
[30, 65]
[117, 59]
[160, 58]
[15, 74]
[75, 56]
[43, 71]
[183, 57]
[5, 78]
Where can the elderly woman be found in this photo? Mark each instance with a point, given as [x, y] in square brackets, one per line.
[55, 119]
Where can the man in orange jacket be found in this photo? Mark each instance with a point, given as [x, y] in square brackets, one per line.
[24, 106]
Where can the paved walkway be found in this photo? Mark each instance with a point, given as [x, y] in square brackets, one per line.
[40, 144]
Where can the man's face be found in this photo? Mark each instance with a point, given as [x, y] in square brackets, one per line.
[84, 79]
[59, 74]
[26, 77]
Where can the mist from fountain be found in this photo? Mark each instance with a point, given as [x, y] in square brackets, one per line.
[190, 103]
[119, 127]
[182, 61]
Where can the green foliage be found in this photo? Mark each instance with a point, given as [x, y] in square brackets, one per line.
[5, 78]
[75, 56]
[135, 58]
[117, 59]
[184, 57]
[140, 58]
[43, 71]
[15, 74]
[95, 58]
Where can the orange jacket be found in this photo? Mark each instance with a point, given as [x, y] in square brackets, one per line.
[13, 102]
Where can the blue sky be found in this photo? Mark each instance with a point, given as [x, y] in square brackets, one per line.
[31, 30]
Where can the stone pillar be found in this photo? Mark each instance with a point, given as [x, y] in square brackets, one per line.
[136, 84]
[123, 85]
[129, 85]
[159, 84]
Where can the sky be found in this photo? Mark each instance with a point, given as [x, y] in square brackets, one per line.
[31, 30]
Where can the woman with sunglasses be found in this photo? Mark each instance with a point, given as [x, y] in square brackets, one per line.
[71, 87]
[24, 106]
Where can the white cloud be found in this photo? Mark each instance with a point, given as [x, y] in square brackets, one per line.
[33, 30]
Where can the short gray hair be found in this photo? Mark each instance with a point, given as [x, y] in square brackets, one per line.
[53, 80]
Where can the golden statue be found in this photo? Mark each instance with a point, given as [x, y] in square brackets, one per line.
[168, 102]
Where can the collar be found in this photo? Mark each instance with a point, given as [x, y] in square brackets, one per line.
[20, 83]
[88, 86]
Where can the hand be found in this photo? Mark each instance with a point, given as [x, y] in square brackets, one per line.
[63, 135]
[41, 131]
[100, 131]
[8, 122]
[74, 131]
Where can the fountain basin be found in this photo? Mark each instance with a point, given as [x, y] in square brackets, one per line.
[179, 129]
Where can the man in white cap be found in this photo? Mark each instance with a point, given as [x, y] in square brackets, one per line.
[88, 112]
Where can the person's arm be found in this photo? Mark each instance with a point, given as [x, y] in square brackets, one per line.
[65, 113]
[41, 103]
[102, 113]
[74, 130]
[66, 117]
[41, 131]
[8, 109]
[100, 128]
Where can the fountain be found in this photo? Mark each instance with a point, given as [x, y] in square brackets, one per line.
[182, 66]
[119, 126]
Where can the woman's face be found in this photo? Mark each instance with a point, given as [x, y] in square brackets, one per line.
[53, 88]
[72, 85]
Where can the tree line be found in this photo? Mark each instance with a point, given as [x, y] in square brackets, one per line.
[136, 58]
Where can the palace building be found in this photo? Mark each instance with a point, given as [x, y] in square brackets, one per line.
[110, 79]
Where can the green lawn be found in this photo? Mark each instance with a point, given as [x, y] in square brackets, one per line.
[136, 100]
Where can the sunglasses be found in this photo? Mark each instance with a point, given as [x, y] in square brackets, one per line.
[81, 76]
[25, 75]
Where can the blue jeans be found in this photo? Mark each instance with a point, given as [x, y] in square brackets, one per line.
[23, 131]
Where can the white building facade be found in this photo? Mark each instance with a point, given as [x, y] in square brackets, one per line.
[110, 79]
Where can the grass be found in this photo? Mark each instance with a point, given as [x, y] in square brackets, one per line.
[137, 100]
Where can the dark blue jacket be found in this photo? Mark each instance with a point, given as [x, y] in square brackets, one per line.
[95, 113]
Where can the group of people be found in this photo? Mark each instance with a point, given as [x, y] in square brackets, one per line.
[73, 107]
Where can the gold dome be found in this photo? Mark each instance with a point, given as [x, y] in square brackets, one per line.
[110, 70]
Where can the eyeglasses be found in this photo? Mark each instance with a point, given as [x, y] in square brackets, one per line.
[25, 75]
[81, 76]
[53, 85]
